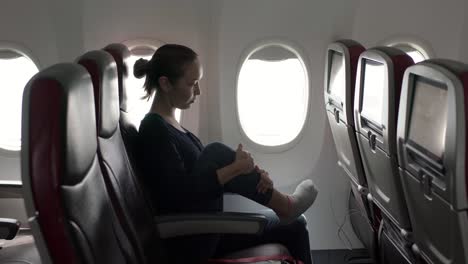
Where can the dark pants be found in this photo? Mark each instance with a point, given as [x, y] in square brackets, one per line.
[294, 236]
[197, 249]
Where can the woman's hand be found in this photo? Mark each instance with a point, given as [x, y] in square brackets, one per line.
[265, 182]
[244, 160]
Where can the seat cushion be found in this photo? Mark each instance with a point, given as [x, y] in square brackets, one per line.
[22, 250]
[267, 253]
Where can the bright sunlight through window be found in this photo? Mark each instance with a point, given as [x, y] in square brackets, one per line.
[272, 98]
[137, 106]
[415, 52]
[16, 71]
[416, 55]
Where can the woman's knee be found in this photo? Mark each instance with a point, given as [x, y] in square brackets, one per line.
[218, 147]
[219, 152]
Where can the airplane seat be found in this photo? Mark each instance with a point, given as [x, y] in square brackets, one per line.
[18, 246]
[146, 232]
[126, 191]
[340, 74]
[121, 55]
[432, 145]
[341, 64]
[16, 239]
[377, 94]
[67, 204]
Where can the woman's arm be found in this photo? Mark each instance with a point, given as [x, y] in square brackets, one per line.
[228, 173]
[165, 174]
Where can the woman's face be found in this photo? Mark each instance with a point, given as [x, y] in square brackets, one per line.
[185, 90]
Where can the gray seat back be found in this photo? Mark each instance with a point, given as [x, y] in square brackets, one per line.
[124, 187]
[378, 85]
[340, 72]
[340, 75]
[432, 144]
[69, 208]
[121, 55]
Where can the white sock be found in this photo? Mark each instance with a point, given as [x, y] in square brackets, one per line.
[302, 198]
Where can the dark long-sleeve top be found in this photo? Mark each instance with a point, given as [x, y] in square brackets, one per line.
[167, 158]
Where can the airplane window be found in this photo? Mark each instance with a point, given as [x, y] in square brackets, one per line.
[272, 95]
[416, 56]
[137, 106]
[16, 70]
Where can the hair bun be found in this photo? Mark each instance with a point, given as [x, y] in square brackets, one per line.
[140, 68]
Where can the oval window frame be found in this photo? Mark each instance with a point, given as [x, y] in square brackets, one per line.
[413, 42]
[143, 42]
[301, 55]
[26, 52]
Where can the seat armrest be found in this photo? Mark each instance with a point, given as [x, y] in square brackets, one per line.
[9, 228]
[11, 189]
[210, 223]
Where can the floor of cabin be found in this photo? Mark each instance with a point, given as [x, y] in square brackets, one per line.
[341, 256]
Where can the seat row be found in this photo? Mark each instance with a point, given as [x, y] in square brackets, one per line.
[400, 134]
[84, 201]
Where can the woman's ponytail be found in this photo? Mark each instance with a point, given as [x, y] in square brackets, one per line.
[140, 68]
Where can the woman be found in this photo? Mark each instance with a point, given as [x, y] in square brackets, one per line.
[183, 176]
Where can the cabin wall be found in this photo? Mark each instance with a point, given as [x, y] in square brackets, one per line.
[464, 35]
[24, 24]
[61, 30]
[221, 31]
[439, 24]
[180, 21]
[311, 26]
[66, 18]
[27, 23]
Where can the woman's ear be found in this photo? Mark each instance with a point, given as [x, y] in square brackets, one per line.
[164, 84]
